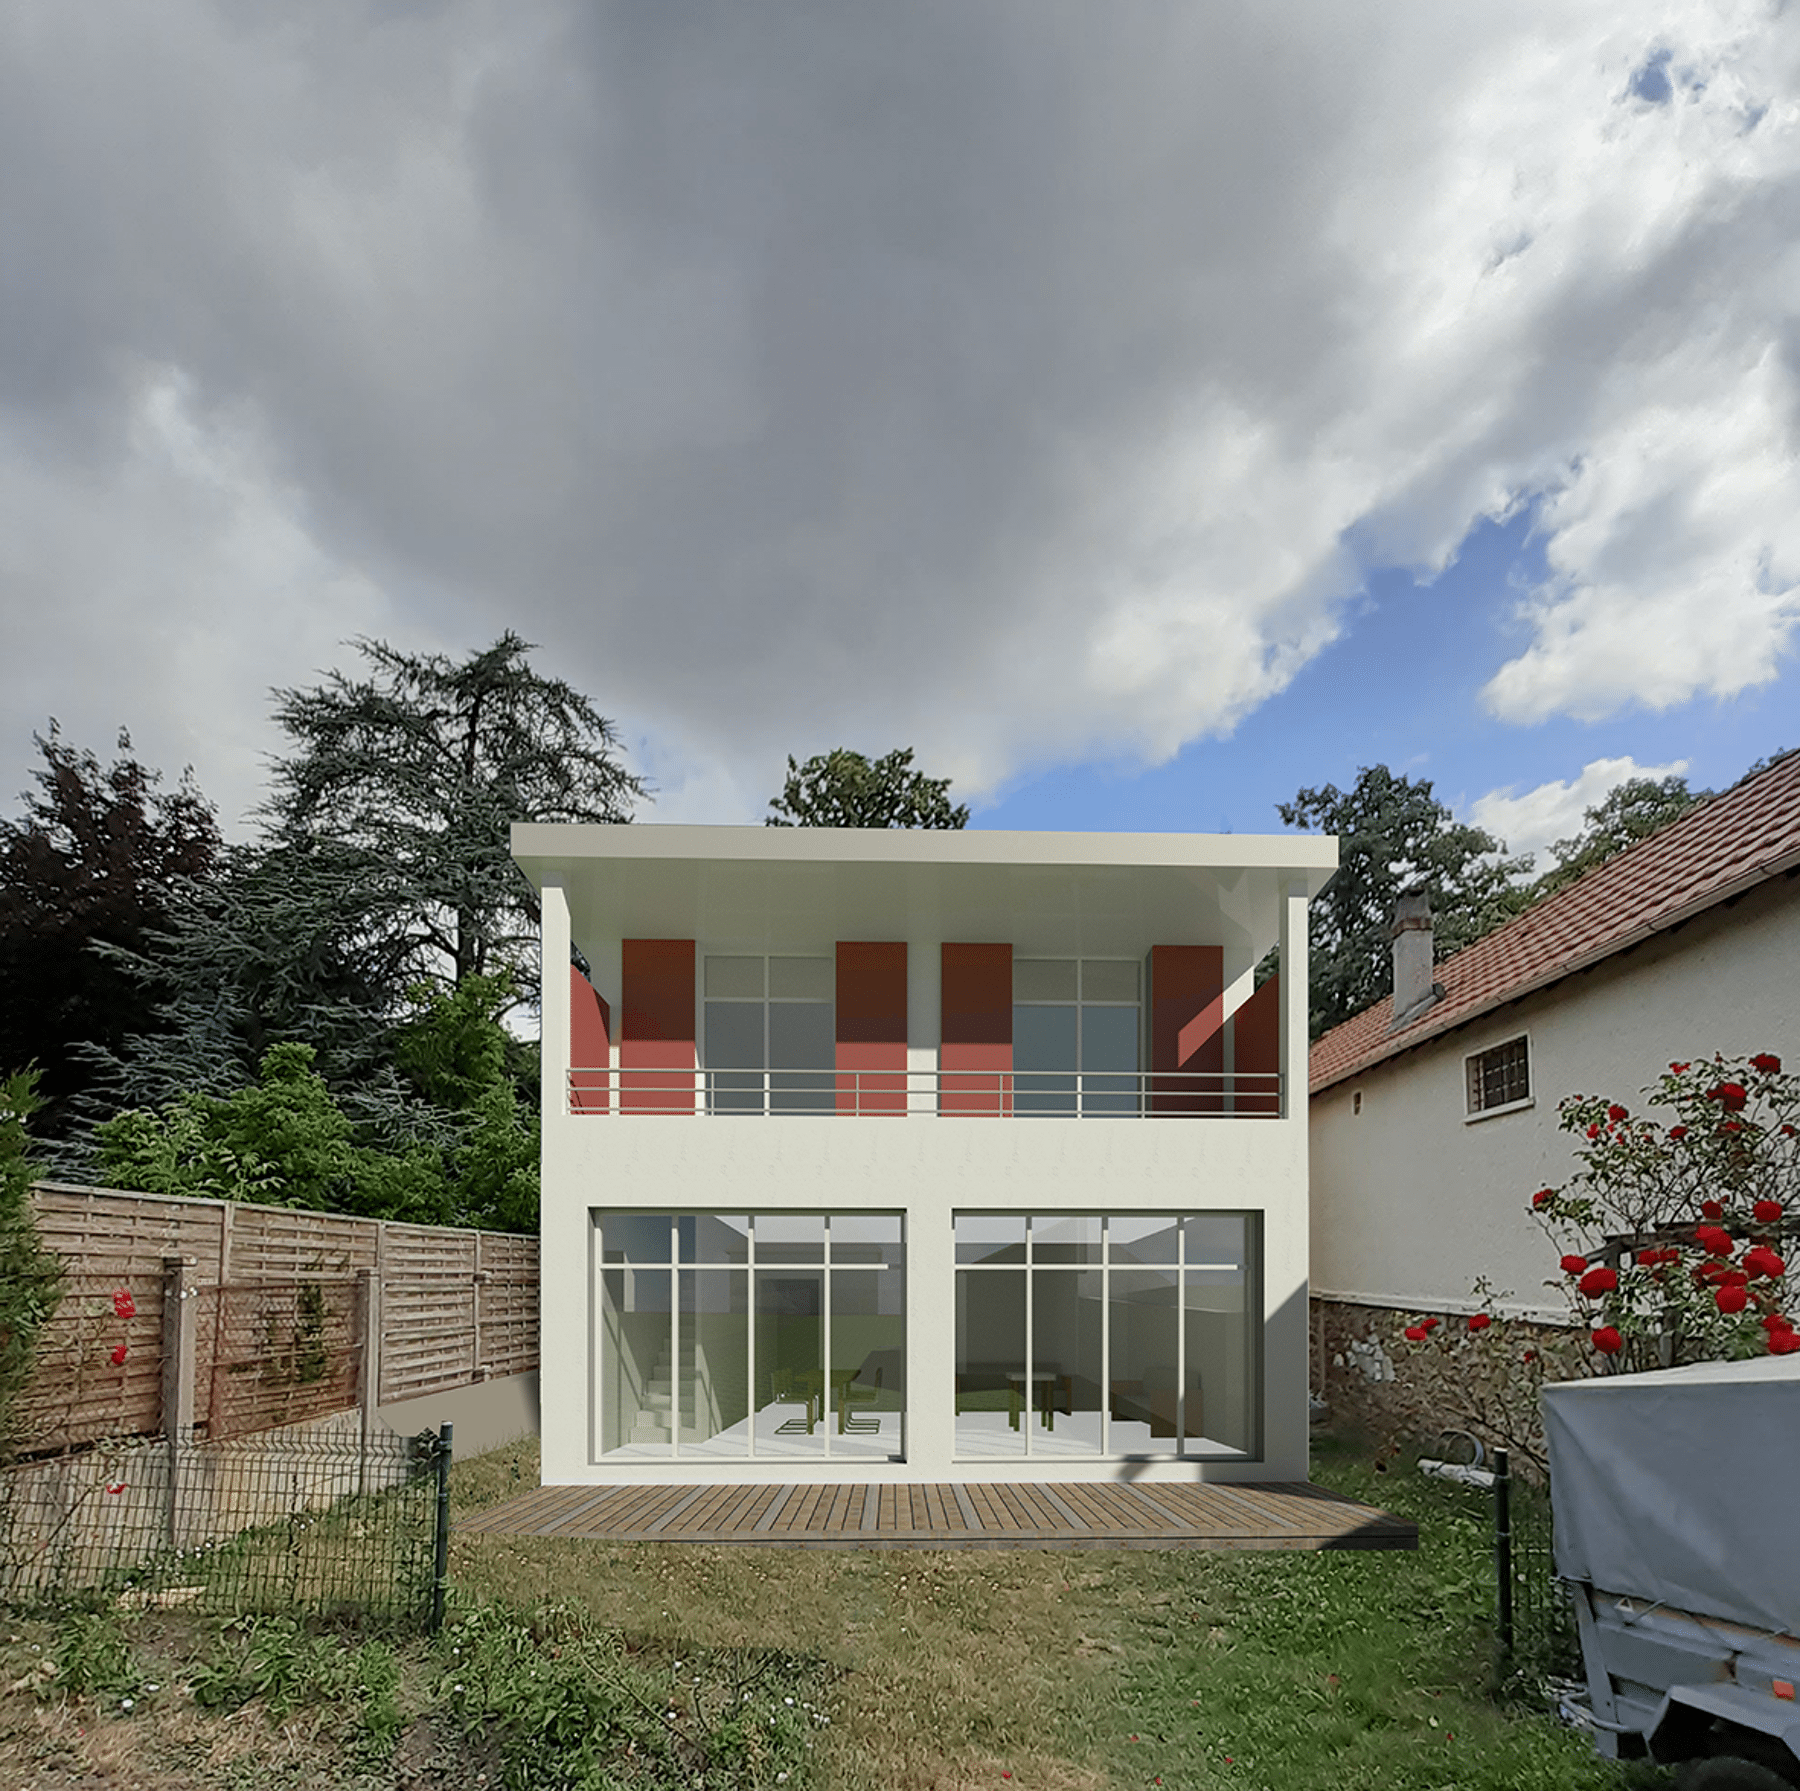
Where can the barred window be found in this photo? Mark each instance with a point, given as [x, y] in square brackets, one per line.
[1500, 1077]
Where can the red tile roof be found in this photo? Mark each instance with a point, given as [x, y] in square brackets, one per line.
[1731, 842]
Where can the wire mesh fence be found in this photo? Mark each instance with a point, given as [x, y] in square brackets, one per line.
[326, 1521]
[1534, 1620]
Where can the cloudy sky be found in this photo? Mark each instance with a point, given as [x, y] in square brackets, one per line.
[1140, 409]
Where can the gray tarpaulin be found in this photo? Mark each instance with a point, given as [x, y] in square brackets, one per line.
[1683, 1486]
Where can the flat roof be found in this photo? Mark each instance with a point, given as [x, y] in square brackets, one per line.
[785, 888]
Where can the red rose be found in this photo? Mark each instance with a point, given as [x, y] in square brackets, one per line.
[1428, 1324]
[1677, 1132]
[1529, 1356]
[1593, 1131]
[1596, 1282]
[1767, 1211]
[124, 1304]
[1761, 1260]
[1574, 1265]
[1711, 1209]
[1730, 1299]
[1608, 1341]
[1712, 1240]
[1776, 1321]
[1616, 1113]
[117, 1487]
[1730, 1095]
[118, 1355]
[1479, 1321]
[1543, 1197]
[1679, 1069]
[1787, 1131]
[1416, 1333]
[1732, 1125]
[1765, 1061]
[1784, 1343]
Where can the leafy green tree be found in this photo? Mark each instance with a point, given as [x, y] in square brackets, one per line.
[30, 1276]
[89, 865]
[412, 777]
[843, 789]
[1394, 835]
[283, 1140]
[1629, 812]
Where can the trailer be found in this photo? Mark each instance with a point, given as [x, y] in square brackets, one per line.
[1676, 1497]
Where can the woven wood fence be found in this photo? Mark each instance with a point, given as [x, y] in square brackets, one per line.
[226, 1319]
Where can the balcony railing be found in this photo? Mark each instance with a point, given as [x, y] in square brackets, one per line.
[933, 1093]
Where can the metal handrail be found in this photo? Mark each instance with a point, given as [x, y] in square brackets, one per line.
[828, 1090]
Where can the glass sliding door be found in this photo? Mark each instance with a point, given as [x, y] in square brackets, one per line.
[770, 1042]
[785, 1336]
[1124, 1335]
[1077, 1035]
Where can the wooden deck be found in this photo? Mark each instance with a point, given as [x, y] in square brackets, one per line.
[966, 1514]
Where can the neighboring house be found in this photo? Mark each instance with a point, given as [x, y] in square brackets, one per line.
[922, 1156]
[1429, 1137]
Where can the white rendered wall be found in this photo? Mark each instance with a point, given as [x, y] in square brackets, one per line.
[926, 1167]
[1410, 1202]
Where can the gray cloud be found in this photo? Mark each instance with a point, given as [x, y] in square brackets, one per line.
[1000, 379]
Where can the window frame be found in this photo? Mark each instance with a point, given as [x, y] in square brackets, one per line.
[1474, 1115]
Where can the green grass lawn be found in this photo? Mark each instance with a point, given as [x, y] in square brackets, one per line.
[661, 1665]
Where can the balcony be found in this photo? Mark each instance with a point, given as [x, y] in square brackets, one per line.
[927, 1094]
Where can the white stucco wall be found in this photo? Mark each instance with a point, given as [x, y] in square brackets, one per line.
[1411, 1201]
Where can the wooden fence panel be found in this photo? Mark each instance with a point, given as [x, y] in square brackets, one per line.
[456, 1306]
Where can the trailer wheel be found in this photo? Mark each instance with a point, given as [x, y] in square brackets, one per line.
[1731, 1772]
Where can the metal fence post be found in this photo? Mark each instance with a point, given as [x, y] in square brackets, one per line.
[440, 1574]
[1503, 1563]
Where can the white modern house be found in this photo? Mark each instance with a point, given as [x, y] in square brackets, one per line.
[1434, 1113]
[922, 1156]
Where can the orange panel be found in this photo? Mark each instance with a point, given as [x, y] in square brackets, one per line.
[656, 1039]
[871, 1026]
[1256, 1048]
[977, 1030]
[590, 1046]
[1187, 1014]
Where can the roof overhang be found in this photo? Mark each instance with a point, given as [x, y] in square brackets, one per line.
[777, 888]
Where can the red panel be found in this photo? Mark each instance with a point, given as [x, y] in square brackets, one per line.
[590, 1046]
[1256, 1048]
[871, 1026]
[975, 1059]
[1187, 1014]
[656, 1039]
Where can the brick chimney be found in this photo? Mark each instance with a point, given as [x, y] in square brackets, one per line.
[1414, 991]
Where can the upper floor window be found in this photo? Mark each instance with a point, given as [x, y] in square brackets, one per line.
[770, 1035]
[1500, 1077]
[1077, 1035]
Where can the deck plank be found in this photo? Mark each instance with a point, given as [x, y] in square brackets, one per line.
[955, 1514]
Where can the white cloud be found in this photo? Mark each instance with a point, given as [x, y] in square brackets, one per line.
[1532, 821]
[1005, 381]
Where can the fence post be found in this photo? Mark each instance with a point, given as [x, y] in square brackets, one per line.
[440, 1572]
[368, 1379]
[1503, 1566]
[177, 1385]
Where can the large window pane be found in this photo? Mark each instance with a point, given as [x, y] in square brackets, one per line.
[714, 1237]
[1109, 1043]
[739, 979]
[1046, 1053]
[1105, 979]
[634, 1237]
[1067, 1312]
[713, 1381]
[802, 1050]
[1143, 1238]
[790, 1237]
[1045, 979]
[990, 1237]
[1065, 1237]
[990, 1362]
[869, 1238]
[637, 1353]
[790, 1362]
[734, 1056]
[868, 1361]
[1217, 1320]
[803, 979]
[1144, 1362]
